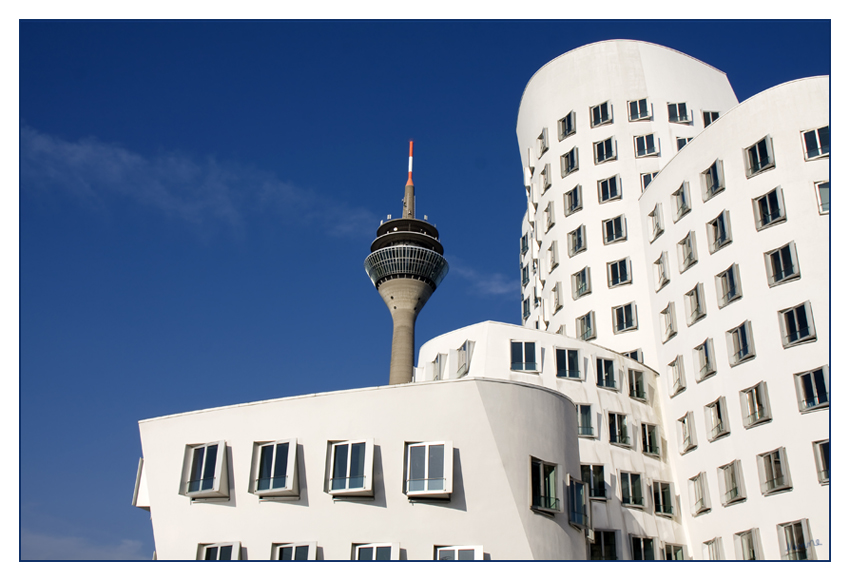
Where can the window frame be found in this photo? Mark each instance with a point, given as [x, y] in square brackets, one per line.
[605, 119]
[616, 318]
[713, 180]
[656, 223]
[778, 477]
[585, 431]
[719, 232]
[599, 540]
[658, 499]
[290, 486]
[567, 125]
[545, 179]
[526, 308]
[682, 142]
[780, 255]
[686, 248]
[623, 274]
[586, 326]
[613, 238]
[817, 401]
[595, 482]
[646, 179]
[557, 298]
[220, 486]
[678, 382]
[787, 339]
[277, 551]
[646, 115]
[477, 552]
[235, 551]
[681, 201]
[736, 337]
[819, 196]
[606, 373]
[581, 283]
[695, 299]
[542, 143]
[569, 372]
[447, 469]
[819, 138]
[709, 117]
[822, 461]
[527, 366]
[674, 550]
[662, 271]
[651, 145]
[554, 259]
[569, 162]
[755, 543]
[644, 541]
[637, 385]
[705, 365]
[699, 495]
[758, 159]
[717, 422]
[755, 409]
[633, 483]
[678, 117]
[579, 499]
[668, 322]
[618, 430]
[764, 216]
[618, 194]
[368, 468]
[649, 433]
[730, 478]
[356, 547]
[807, 552]
[577, 241]
[722, 279]
[687, 433]
[604, 150]
[572, 200]
[556, 473]
[713, 549]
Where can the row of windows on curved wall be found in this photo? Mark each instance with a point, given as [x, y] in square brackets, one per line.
[310, 551]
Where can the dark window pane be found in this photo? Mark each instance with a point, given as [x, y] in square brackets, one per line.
[383, 553]
[225, 553]
[301, 552]
[435, 468]
[285, 554]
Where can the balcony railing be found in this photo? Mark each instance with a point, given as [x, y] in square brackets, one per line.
[426, 485]
[545, 502]
[570, 373]
[814, 401]
[731, 495]
[579, 518]
[718, 429]
[271, 482]
[347, 483]
[585, 430]
[406, 261]
[759, 414]
[776, 483]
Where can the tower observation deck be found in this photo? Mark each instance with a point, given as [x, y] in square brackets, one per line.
[406, 266]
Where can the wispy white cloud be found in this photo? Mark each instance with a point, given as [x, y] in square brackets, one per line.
[484, 283]
[36, 546]
[199, 191]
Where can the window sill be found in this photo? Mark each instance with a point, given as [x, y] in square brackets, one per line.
[614, 199]
[780, 220]
[816, 157]
[791, 278]
[749, 357]
[815, 408]
[602, 123]
[720, 436]
[811, 339]
[652, 454]
[778, 490]
[708, 375]
[687, 450]
[571, 378]
[709, 195]
[752, 174]
[697, 320]
[624, 445]
[735, 501]
[602, 161]
[635, 506]
[758, 423]
[730, 301]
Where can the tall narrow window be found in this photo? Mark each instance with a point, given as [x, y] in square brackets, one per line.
[581, 282]
[557, 300]
[677, 376]
[636, 388]
[542, 142]
[719, 232]
[713, 549]
[740, 343]
[662, 496]
[773, 470]
[687, 252]
[716, 419]
[567, 126]
[572, 201]
[823, 196]
[795, 541]
[687, 433]
[713, 180]
[631, 488]
[567, 363]
[668, 322]
[549, 215]
[544, 486]
[649, 439]
[594, 475]
[618, 430]
[523, 244]
[728, 286]
[662, 275]
[731, 483]
[747, 546]
[586, 326]
[816, 142]
[760, 157]
[704, 360]
[523, 356]
[553, 255]
[699, 494]
[545, 178]
[579, 508]
[577, 240]
[525, 277]
[569, 162]
[695, 303]
[656, 223]
[769, 209]
[822, 460]
[754, 405]
[605, 373]
[681, 201]
[585, 420]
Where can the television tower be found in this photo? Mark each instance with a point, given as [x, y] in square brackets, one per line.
[406, 266]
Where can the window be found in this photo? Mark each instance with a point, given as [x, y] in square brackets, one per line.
[604, 546]
[605, 150]
[698, 489]
[643, 549]
[545, 179]
[823, 196]
[709, 117]
[429, 469]
[553, 255]
[656, 223]
[668, 322]
[716, 419]
[662, 276]
[581, 282]
[437, 366]
[466, 553]
[674, 553]
[773, 471]
[569, 162]
[649, 439]
[760, 157]
[614, 230]
[639, 110]
[586, 326]
[542, 142]
[609, 189]
[662, 496]
[572, 201]
[687, 433]
[618, 430]
[594, 475]
[375, 552]
[636, 388]
[822, 460]
[728, 286]
[205, 472]
[704, 360]
[523, 244]
[677, 376]
[294, 552]
[462, 355]
[219, 552]
[713, 181]
[577, 240]
[731, 482]
[567, 363]
[719, 232]
[769, 209]
[678, 113]
[795, 541]
[813, 388]
[276, 472]
[585, 420]
[526, 308]
[781, 264]
[351, 467]
[646, 179]
[713, 549]
[625, 318]
[681, 201]
[740, 344]
[748, 546]
[816, 142]
[687, 252]
[549, 215]
[797, 324]
[619, 272]
[682, 142]
[754, 405]
[557, 302]
[579, 509]
[601, 114]
[567, 126]
[544, 486]
[523, 356]
[605, 373]
[695, 304]
[631, 489]
[636, 354]
[646, 145]
[525, 277]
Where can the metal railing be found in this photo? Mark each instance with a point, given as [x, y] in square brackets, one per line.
[718, 429]
[814, 401]
[776, 483]
[799, 335]
[347, 483]
[571, 373]
[759, 414]
[545, 502]
[201, 484]
[426, 485]
[731, 495]
[270, 482]
[585, 430]
[620, 438]
[579, 518]
[406, 261]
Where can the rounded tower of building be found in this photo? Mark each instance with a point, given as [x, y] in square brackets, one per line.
[406, 266]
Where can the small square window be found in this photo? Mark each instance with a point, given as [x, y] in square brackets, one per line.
[755, 406]
[822, 460]
[816, 143]
[594, 475]
[545, 483]
[553, 255]
[677, 376]
[739, 341]
[586, 326]
[579, 504]
[276, 472]
[569, 162]
[656, 223]
[731, 483]
[698, 488]
[581, 283]
[601, 114]
[728, 285]
[813, 389]
[205, 471]
[585, 424]
[668, 322]
[719, 232]
[713, 550]
[619, 273]
[695, 302]
[542, 142]
[822, 189]
[605, 150]
[631, 488]
[782, 265]
[687, 433]
[567, 126]
[609, 189]
[572, 201]
[713, 180]
[429, 470]
[662, 274]
[294, 551]
[350, 467]
[614, 230]
[773, 471]
[568, 363]
[646, 179]
[795, 541]
[650, 440]
[709, 117]
[704, 360]
[674, 552]
[748, 546]
[578, 241]
[375, 552]
[605, 373]
[716, 419]
[640, 110]
[460, 553]
[523, 356]
[625, 318]
[687, 252]
[678, 113]
[769, 209]
[646, 146]
[636, 387]
[662, 496]
[682, 142]
[643, 549]
[681, 202]
[759, 156]
[797, 325]
[603, 547]
[219, 552]
[557, 300]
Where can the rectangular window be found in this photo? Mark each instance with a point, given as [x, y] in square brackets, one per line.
[619, 273]
[646, 179]
[773, 471]
[728, 286]
[748, 546]
[614, 230]
[429, 469]
[662, 275]
[294, 551]
[662, 496]
[681, 201]
[713, 180]
[636, 388]
[594, 475]
[639, 110]
[557, 302]
[759, 156]
[687, 252]
[276, 468]
[579, 509]
[567, 126]
[604, 546]
[668, 322]
[567, 363]
[460, 553]
[643, 549]
[525, 277]
[625, 318]
[739, 341]
[677, 376]
[754, 405]
[631, 489]
[695, 303]
[704, 360]
[605, 373]
[601, 114]
[769, 209]
[656, 223]
[553, 255]
[577, 240]
[823, 196]
[351, 467]
[813, 388]
[709, 117]
[678, 113]
[682, 142]
[205, 471]
[716, 419]
[569, 162]
[219, 552]
[585, 420]
[545, 179]
[544, 486]
[674, 553]
[581, 282]
[816, 142]
[649, 439]
[687, 433]
[549, 215]
[437, 366]
[586, 326]
[618, 430]
[526, 308]
[609, 189]
[781, 264]
[462, 355]
[822, 460]
[795, 541]
[637, 355]
[699, 494]
[542, 142]
[731, 482]
[719, 232]
[713, 549]
[797, 325]
[523, 244]
[375, 552]
[523, 356]
[572, 201]
[605, 150]
[646, 145]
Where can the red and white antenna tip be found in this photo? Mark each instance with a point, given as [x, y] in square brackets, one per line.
[410, 166]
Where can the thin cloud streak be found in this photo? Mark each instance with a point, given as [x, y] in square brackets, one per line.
[484, 283]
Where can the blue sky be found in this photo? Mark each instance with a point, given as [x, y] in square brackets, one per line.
[197, 199]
